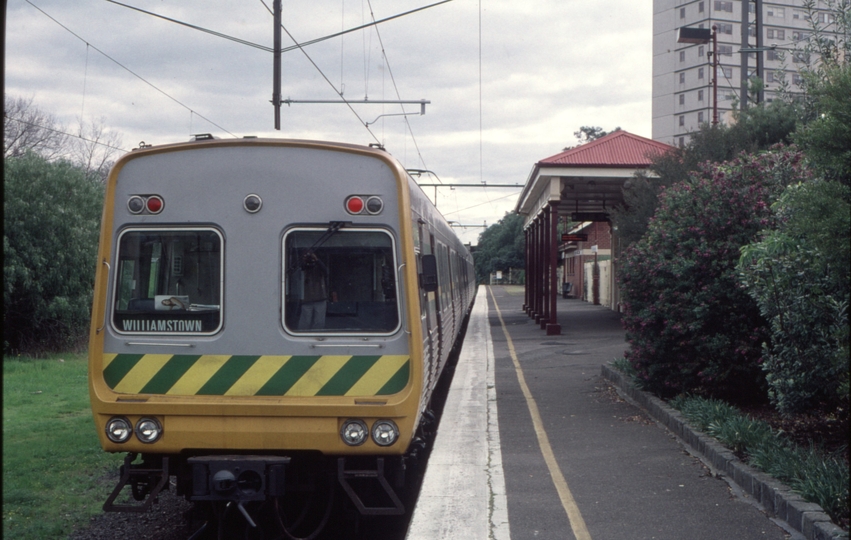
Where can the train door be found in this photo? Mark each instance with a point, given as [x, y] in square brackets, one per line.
[438, 308]
[427, 314]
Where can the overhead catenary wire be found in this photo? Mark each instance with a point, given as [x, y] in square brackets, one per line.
[116, 62]
[489, 201]
[322, 73]
[395, 86]
[54, 130]
[265, 47]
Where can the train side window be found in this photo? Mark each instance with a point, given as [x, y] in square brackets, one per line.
[168, 282]
[343, 282]
[428, 277]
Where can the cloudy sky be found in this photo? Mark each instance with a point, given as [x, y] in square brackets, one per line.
[509, 81]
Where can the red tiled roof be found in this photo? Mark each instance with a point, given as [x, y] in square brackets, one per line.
[618, 149]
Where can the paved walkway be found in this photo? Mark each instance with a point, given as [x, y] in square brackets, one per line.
[576, 461]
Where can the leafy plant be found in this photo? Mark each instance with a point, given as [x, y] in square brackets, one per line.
[690, 326]
[50, 227]
[800, 274]
[501, 247]
[818, 477]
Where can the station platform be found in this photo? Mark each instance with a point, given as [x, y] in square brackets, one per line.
[535, 444]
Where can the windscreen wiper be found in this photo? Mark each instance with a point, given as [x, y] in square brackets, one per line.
[331, 231]
[334, 227]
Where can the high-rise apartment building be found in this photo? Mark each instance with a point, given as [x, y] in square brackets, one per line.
[683, 90]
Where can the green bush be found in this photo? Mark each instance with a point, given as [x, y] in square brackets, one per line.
[818, 477]
[690, 325]
[799, 275]
[50, 229]
[501, 247]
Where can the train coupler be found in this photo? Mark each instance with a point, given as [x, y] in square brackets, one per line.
[369, 489]
[237, 478]
[145, 481]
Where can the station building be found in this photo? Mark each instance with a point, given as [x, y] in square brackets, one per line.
[571, 247]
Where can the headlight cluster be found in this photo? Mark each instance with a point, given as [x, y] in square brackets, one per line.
[355, 432]
[119, 429]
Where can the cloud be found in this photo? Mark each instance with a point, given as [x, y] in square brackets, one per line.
[546, 68]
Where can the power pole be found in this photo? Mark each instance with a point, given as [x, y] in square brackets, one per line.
[746, 24]
[276, 66]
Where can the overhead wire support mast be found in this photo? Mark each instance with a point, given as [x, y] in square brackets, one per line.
[276, 64]
[453, 186]
[422, 102]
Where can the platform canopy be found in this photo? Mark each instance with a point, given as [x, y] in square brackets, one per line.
[587, 179]
[581, 184]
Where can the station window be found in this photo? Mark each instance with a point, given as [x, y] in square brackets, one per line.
[168, 282]
[339, 281]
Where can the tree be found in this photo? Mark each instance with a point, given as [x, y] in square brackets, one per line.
[826, 139]
[51, 218]
[590, 133]
[94, 149]
[501, 246]
[800, 275]
[757, 128]
[690, 326]
[26, 128]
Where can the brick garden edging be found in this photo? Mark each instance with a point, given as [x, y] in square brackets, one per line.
[777, 499]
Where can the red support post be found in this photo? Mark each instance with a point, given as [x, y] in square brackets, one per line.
[553, 328]
[545, 267]
[526, 268]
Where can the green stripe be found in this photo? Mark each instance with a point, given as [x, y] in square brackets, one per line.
[227, 375]
[348, 375]
[119, 367]
[397, 382]
[169, 374]
[287, 376]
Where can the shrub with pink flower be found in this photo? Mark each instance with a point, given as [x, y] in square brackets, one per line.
[691, 326]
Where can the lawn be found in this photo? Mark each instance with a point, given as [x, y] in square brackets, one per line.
[55, 475]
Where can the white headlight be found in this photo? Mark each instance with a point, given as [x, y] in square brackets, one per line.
[148, 430]
[384, 432]
[118, 429]
[354, 432]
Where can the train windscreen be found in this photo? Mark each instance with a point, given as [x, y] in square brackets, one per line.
[168, 282]
[339, 281]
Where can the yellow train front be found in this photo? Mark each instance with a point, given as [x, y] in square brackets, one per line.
[269, 314]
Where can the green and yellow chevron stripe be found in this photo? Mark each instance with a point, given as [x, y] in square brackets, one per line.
[222, 375]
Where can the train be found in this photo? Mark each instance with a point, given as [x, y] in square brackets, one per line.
[270, 318]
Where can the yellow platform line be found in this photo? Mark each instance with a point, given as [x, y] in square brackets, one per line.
[577, 524]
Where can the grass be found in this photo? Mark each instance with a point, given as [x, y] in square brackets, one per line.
[818, 477]
[55, 475]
